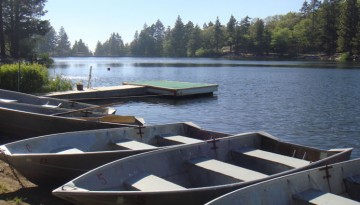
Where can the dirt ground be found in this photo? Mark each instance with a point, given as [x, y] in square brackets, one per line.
[13, 193]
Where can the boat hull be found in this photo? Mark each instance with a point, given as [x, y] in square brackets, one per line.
[177, 165]
[55, 159]
[285, 190]
[21, 125]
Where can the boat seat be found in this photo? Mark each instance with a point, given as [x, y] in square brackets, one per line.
[7, 100]
[149, 182]
[178, 139]
[51, 106]
[134, 145]
[70, 151]
[317, 197]
[272, 157]
[215, 168]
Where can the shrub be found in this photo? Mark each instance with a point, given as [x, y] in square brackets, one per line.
[59, 83]
[344, 57]
[31, 78]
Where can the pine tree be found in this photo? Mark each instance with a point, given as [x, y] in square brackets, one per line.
[177, 40]
[218, 35]
[231, 32]
[329, 13]
[348, 24]
[47, 44]
[80, 49]
[21, 24]
[63, 47]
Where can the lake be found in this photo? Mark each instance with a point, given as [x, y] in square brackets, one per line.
[310, 103]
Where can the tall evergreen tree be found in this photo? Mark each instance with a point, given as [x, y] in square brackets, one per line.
[22, 23]
[146, 42]
[231, 32]
[243, 37]
[47, 44]
[159, 37]
[63, 47]
[99, 49]
[329, 13]
[218, 35]
[80, 49]
[195, 41]
[257, 36]
[177, 40]
[349, 18]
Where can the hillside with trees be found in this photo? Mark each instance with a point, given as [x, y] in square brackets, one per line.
[327, 28]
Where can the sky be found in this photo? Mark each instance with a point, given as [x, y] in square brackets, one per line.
[95, 20]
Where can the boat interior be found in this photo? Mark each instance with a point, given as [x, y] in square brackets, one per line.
[245, 158]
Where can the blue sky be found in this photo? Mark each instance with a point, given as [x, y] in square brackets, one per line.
[93, 20]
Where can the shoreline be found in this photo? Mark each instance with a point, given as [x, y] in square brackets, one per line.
[12, 192]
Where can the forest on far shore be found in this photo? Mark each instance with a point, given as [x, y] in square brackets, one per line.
[327, 28]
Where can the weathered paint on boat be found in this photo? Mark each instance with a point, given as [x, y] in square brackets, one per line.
[55, 159]
[332, 184]
[194, 174]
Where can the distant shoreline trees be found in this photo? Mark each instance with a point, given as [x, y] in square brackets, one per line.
[322, 28]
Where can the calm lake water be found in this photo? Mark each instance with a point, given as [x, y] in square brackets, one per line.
[309, 103]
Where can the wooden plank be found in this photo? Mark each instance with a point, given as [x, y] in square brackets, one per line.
[151, 183]
[227, 169]
[178, 139]
[273, 157]
[135, 145]
[317, 197]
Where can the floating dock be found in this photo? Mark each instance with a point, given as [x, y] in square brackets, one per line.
[174, 88]
[137, 89]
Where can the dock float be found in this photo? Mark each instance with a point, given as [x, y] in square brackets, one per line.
[137, 89]
[175, 88]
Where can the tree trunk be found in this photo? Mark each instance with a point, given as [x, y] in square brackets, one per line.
[2, 36]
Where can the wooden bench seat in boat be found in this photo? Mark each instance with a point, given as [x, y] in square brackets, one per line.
[149, 182]
[272, 157]
[221, 171]
[316, 197]
[70, 151]
[178, 139]
[134, 145]
[7, 100]
[182, 139]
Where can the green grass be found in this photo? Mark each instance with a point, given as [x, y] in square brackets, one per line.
[3, 189]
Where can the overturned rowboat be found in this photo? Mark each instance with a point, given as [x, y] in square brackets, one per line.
[332, 184]
[195, 173]
[55, 159]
